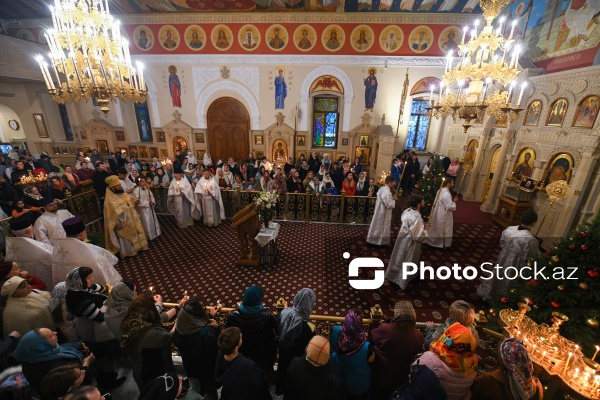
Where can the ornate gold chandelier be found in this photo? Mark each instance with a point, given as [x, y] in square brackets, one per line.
[89, 57]
[486, 66]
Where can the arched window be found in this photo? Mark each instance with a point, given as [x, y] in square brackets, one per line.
[418, 125]
[325, 111]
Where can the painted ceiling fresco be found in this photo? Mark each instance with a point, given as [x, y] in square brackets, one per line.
[557, 34]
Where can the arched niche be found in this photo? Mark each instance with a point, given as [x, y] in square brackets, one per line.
[99, 129]
[180, 129]
[279, 133]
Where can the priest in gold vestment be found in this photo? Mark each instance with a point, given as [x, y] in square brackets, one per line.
[123, 229]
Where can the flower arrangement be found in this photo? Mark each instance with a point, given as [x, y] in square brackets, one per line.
[265, 204]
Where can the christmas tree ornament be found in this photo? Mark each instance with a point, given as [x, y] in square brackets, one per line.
[555, 259]
[555, 304]
[584, 234]
[572, 247]
[584, 247]
[513, 290]
[503, 300]
[561, 287]
[592, 322]
[593, 273]
[532, 282]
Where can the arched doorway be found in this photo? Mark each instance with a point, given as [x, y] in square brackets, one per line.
[228, 125]
[490, 177]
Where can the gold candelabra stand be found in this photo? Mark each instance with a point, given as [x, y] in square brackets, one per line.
[33, 179]
[551, 351]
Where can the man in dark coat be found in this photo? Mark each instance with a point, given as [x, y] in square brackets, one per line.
[314, 163]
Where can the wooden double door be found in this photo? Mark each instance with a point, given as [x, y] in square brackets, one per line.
[228, 126]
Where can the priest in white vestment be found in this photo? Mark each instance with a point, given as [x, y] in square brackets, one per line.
[145, 207]
[73, 252]
[518, 245]
[208, 198]
[379, 231]
[407, 249]
[32, 256]
[181, 203]
[49, 225]
[442, 221]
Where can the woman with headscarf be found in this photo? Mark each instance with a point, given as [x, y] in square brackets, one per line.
[513, 381]
[32, 197]
[351, 355]
[195, 336]
[65, 321]
[229, 177]
[39, 352]
[25, 309]
[396, 343]
[161, 179]
[295, 331]
[117, 304]
[257, 324]
[85, 301]
[189, 170]
[452, 359]
[145, 340]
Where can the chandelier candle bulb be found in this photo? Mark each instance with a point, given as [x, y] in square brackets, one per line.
[512, 29]
[523, 86]
[432, 87]
[510, 88]
[596, 353]
[567, 364]
[465, 29]
[62, 61]
[500, 23]
[441, 87]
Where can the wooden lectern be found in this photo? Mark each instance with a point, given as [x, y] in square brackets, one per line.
[247, 226]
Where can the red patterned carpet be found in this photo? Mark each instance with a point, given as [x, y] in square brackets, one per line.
[202, 261]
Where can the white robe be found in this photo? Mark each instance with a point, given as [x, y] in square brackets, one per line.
[49, 226]
[407, 248]
[181, 203]
[517, 246]
[147, 214]
[208, 198]
[379, 231]
[71, 253]
[32, 256]
[442, 222]
[127, 184]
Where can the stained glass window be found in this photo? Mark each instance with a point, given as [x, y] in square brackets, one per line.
[325, 121]
[418, 125]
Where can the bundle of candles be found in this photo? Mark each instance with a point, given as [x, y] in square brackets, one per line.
[28, 179]
[557, 355]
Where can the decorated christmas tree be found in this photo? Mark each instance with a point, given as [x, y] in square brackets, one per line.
[572, 287]
[428, 186]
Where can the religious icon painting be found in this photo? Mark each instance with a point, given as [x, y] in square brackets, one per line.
[277, 37]
[301, 140]
[557, 113]
[391, 38]
[449, 39]
[333, 38]
[524, 165]
[305, 37]
[195, 37]
[142, 116]
[586, 113]
[102, 146]
[164, 153]
[221, 37]
[160, 136]
[420, 39]
[364, 140]
[258, 140]
[143, 37]
[132, 151]
[199, 155]
[143, 152]
[120, 136]
[363, 154]
[153, 152]
[501, 122]
[362, 38]
[533, 113]
[559, 168]
[199, 137]
[168, 37]
[249, 37]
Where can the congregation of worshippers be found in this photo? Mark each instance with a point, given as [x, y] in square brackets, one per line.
[70, 320]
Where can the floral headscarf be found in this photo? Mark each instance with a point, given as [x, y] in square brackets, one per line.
[141, 317]
[352, 336]
[456, 348]
[515, 358]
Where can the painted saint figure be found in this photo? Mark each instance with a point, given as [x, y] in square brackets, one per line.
[276, 42]
[195, 43]
[169, 42]
[333, 42]
[222, 41]
[304, 42]
[523, 169]
[143, 42]
[391, 43]
[280, 90]
[421, 44]
[370, 90]
[174, 86]
[362, 43]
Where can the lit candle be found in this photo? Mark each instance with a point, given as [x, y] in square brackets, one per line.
[544, 355]
[512, 30]
[533, 350]
[465, 29]
[48, 75]
[576, 374]
[596, 353]
[431, 94]
[40, 59]
[487, 82]
[510, 88]
[500, 23]
[523, 86]
[476, 26]
[516, 56]
[442, 84]
[567, 364]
